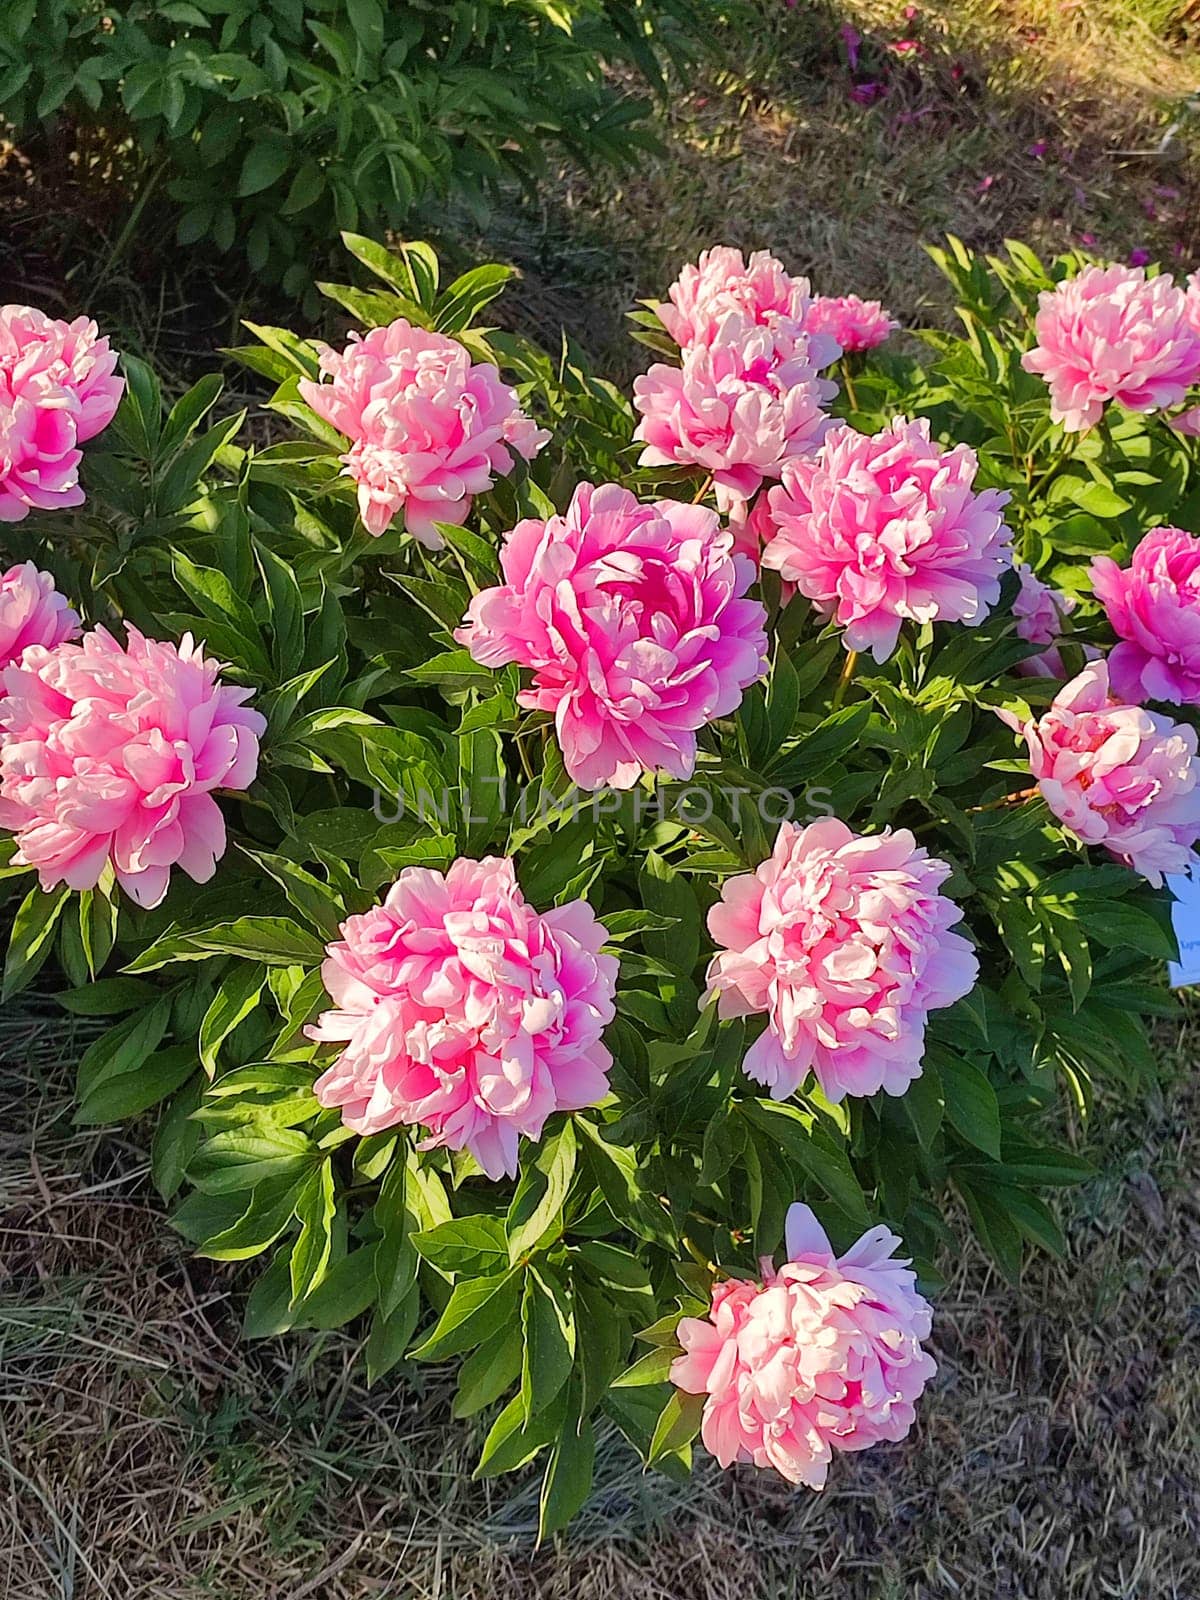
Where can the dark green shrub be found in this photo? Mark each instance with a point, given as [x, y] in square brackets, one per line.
[272, 124]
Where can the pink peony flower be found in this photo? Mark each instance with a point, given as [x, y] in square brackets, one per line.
[1117, 775]
[32, 612]
[1186, 423]
[1040, 611]
[429, 428]
[739, 408]
[633, 620]
[465, 1010]
[111, 754]
[1111, 334]
[57, 391]
[1191, 301]
[855, 324]
[825, 1354]
[844, 942]
[879, 530]
[1154, 607]
[761, 294]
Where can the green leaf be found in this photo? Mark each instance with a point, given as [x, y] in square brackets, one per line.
[476, 1308]
[269, 1304]
[395, 1257]
[265, 163]
[512, 1441]
[548, 1329]
[129, 1093]
[31, 938]
[541, 1193]
[677, 1425]
[108, 996]
[814, 1151]
[470, 1245]
[568, 1479]
[390, 1336]
[488, 1371]
[233, 1002]
[314, 1210]
[653, 1367]
[971, 1104]
[345, 1292]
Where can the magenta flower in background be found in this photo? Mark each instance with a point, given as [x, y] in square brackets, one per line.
[738, 408]
[110, 754]
[58, 389]
[428, 427]
[855, 324]
[1139, 256]
[1186, 423]
[1113, 334]
[852, 39]
[844, 942]
[1040, 611]
[1153, 605]
[464, 1010]
[32, 612]
[1117, 775]
[825, 1354]
[761, 293]
[633, 620]
[881, 529]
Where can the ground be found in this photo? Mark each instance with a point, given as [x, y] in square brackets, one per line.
[147, 1454]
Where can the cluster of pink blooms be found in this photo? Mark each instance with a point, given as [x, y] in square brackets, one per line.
[1154, 608]
[1113, 334]
[1117, 775]
[109, 755]
[58, 389]
[747, 395]
[825, 1354]
[429, 427]
[844, 942]
[879, 529]
[466, 1011]
[856, 324]
[32, 612]
[1040, 611]
[634, 622]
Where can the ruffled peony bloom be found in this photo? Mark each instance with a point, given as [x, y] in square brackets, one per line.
[32, 612]
[760, 293]
[57, 391]
[883, 529]
[855, 324]
[1186, 423]
[825, 1354]
[844, 942]
[632, 619]
[111, 754]
[1040, 611]
[429, 428]
[465, 1010]
[739, 407]
[1117, 775]
[1111, 334]
[1154, 607]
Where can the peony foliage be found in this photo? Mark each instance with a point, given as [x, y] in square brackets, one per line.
[516, 902]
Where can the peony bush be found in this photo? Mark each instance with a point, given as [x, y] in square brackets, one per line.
[603, 891]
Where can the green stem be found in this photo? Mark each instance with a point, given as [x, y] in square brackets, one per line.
[848, 382]
[843, 683]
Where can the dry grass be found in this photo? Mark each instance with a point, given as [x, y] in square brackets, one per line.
[147, 1455]
[1029, 118]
